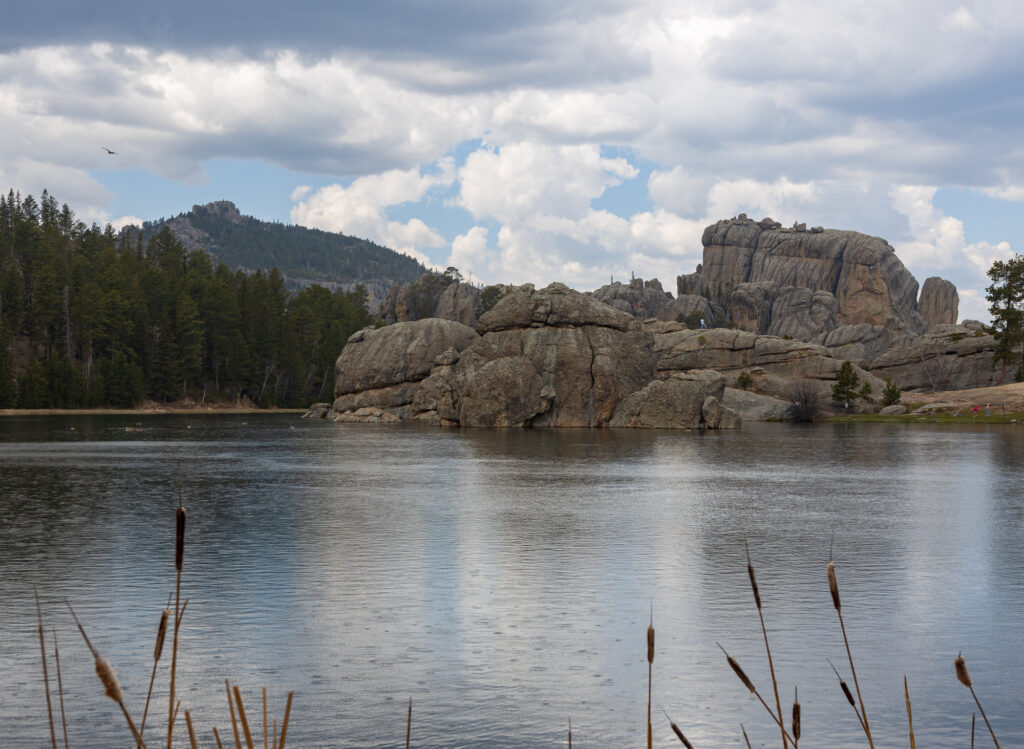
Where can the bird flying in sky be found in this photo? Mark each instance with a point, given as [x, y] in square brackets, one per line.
[109, 152]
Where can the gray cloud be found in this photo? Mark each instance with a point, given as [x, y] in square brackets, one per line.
[528, 41]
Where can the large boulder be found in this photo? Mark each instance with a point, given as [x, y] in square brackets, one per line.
[591, 355]
[383, 367]
[505, 392]
[686, 400]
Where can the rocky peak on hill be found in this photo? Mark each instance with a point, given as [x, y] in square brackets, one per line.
[806, 282]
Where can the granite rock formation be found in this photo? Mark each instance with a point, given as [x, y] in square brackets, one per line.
[550, 357]
[772, 363]
[802, 283]
[947, 357]
[383, 367]
[939, 303]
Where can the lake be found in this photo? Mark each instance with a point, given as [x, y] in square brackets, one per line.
[504, 579]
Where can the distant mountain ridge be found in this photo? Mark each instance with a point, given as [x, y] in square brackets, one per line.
[304, 256]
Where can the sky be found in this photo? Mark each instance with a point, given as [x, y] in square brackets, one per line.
[580, 141]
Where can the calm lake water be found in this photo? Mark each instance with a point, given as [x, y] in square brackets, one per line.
[504, 579]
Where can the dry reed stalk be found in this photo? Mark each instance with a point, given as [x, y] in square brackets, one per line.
[745, 737]
[973, 717]
[158, 650]
[266, 728]
[111, 686]
[179, 561]
[965, 678]
[191, 731]
[910, 716]
[60, 690]
[847, 693]
[284, 725]
[796, 717]
[650, 671]
[676, 731]
[408, 725]
[216, 737]
[764, 631]
[570, 735]
[46, 677]
[735, 666]
[241, 717]
[231, 709]
[833, 586]
[274, 745]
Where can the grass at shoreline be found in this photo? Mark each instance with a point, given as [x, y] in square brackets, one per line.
[914, 418]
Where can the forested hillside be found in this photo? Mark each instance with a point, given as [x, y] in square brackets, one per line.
[301, 254]
[88, 318]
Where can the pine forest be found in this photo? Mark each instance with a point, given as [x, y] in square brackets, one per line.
[90, 318]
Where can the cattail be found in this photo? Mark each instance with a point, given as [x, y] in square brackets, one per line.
[111, 686]
[961, 671]
[846, 689]
[753, 581]
[833, 586]
[965, 679]
[739, 671]
[179, 546]
[161, 633]
[677, 732]
[745, 737]
[796, 715]
[650, 644]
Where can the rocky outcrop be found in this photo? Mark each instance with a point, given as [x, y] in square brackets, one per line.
[685, 400]
[772, 363]
[458, 302]
[939, 303]
[947, 357]
[642, 299]
[549, 357]
[862, 344]
[755, 407]
[801, 283]
[432, 296]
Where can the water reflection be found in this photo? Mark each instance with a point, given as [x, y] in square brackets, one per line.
[504, 578]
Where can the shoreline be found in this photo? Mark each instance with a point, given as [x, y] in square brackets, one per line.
[148, 411]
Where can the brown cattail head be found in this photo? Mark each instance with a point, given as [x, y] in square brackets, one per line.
[650, 644]
[833, 586]
[677, 731]
[739, 671]
[111, 686]
[753, 581]
[753, 584]
[160, 634]
[796, 717]
[842, 685]
[961, 671]
[179, 546]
